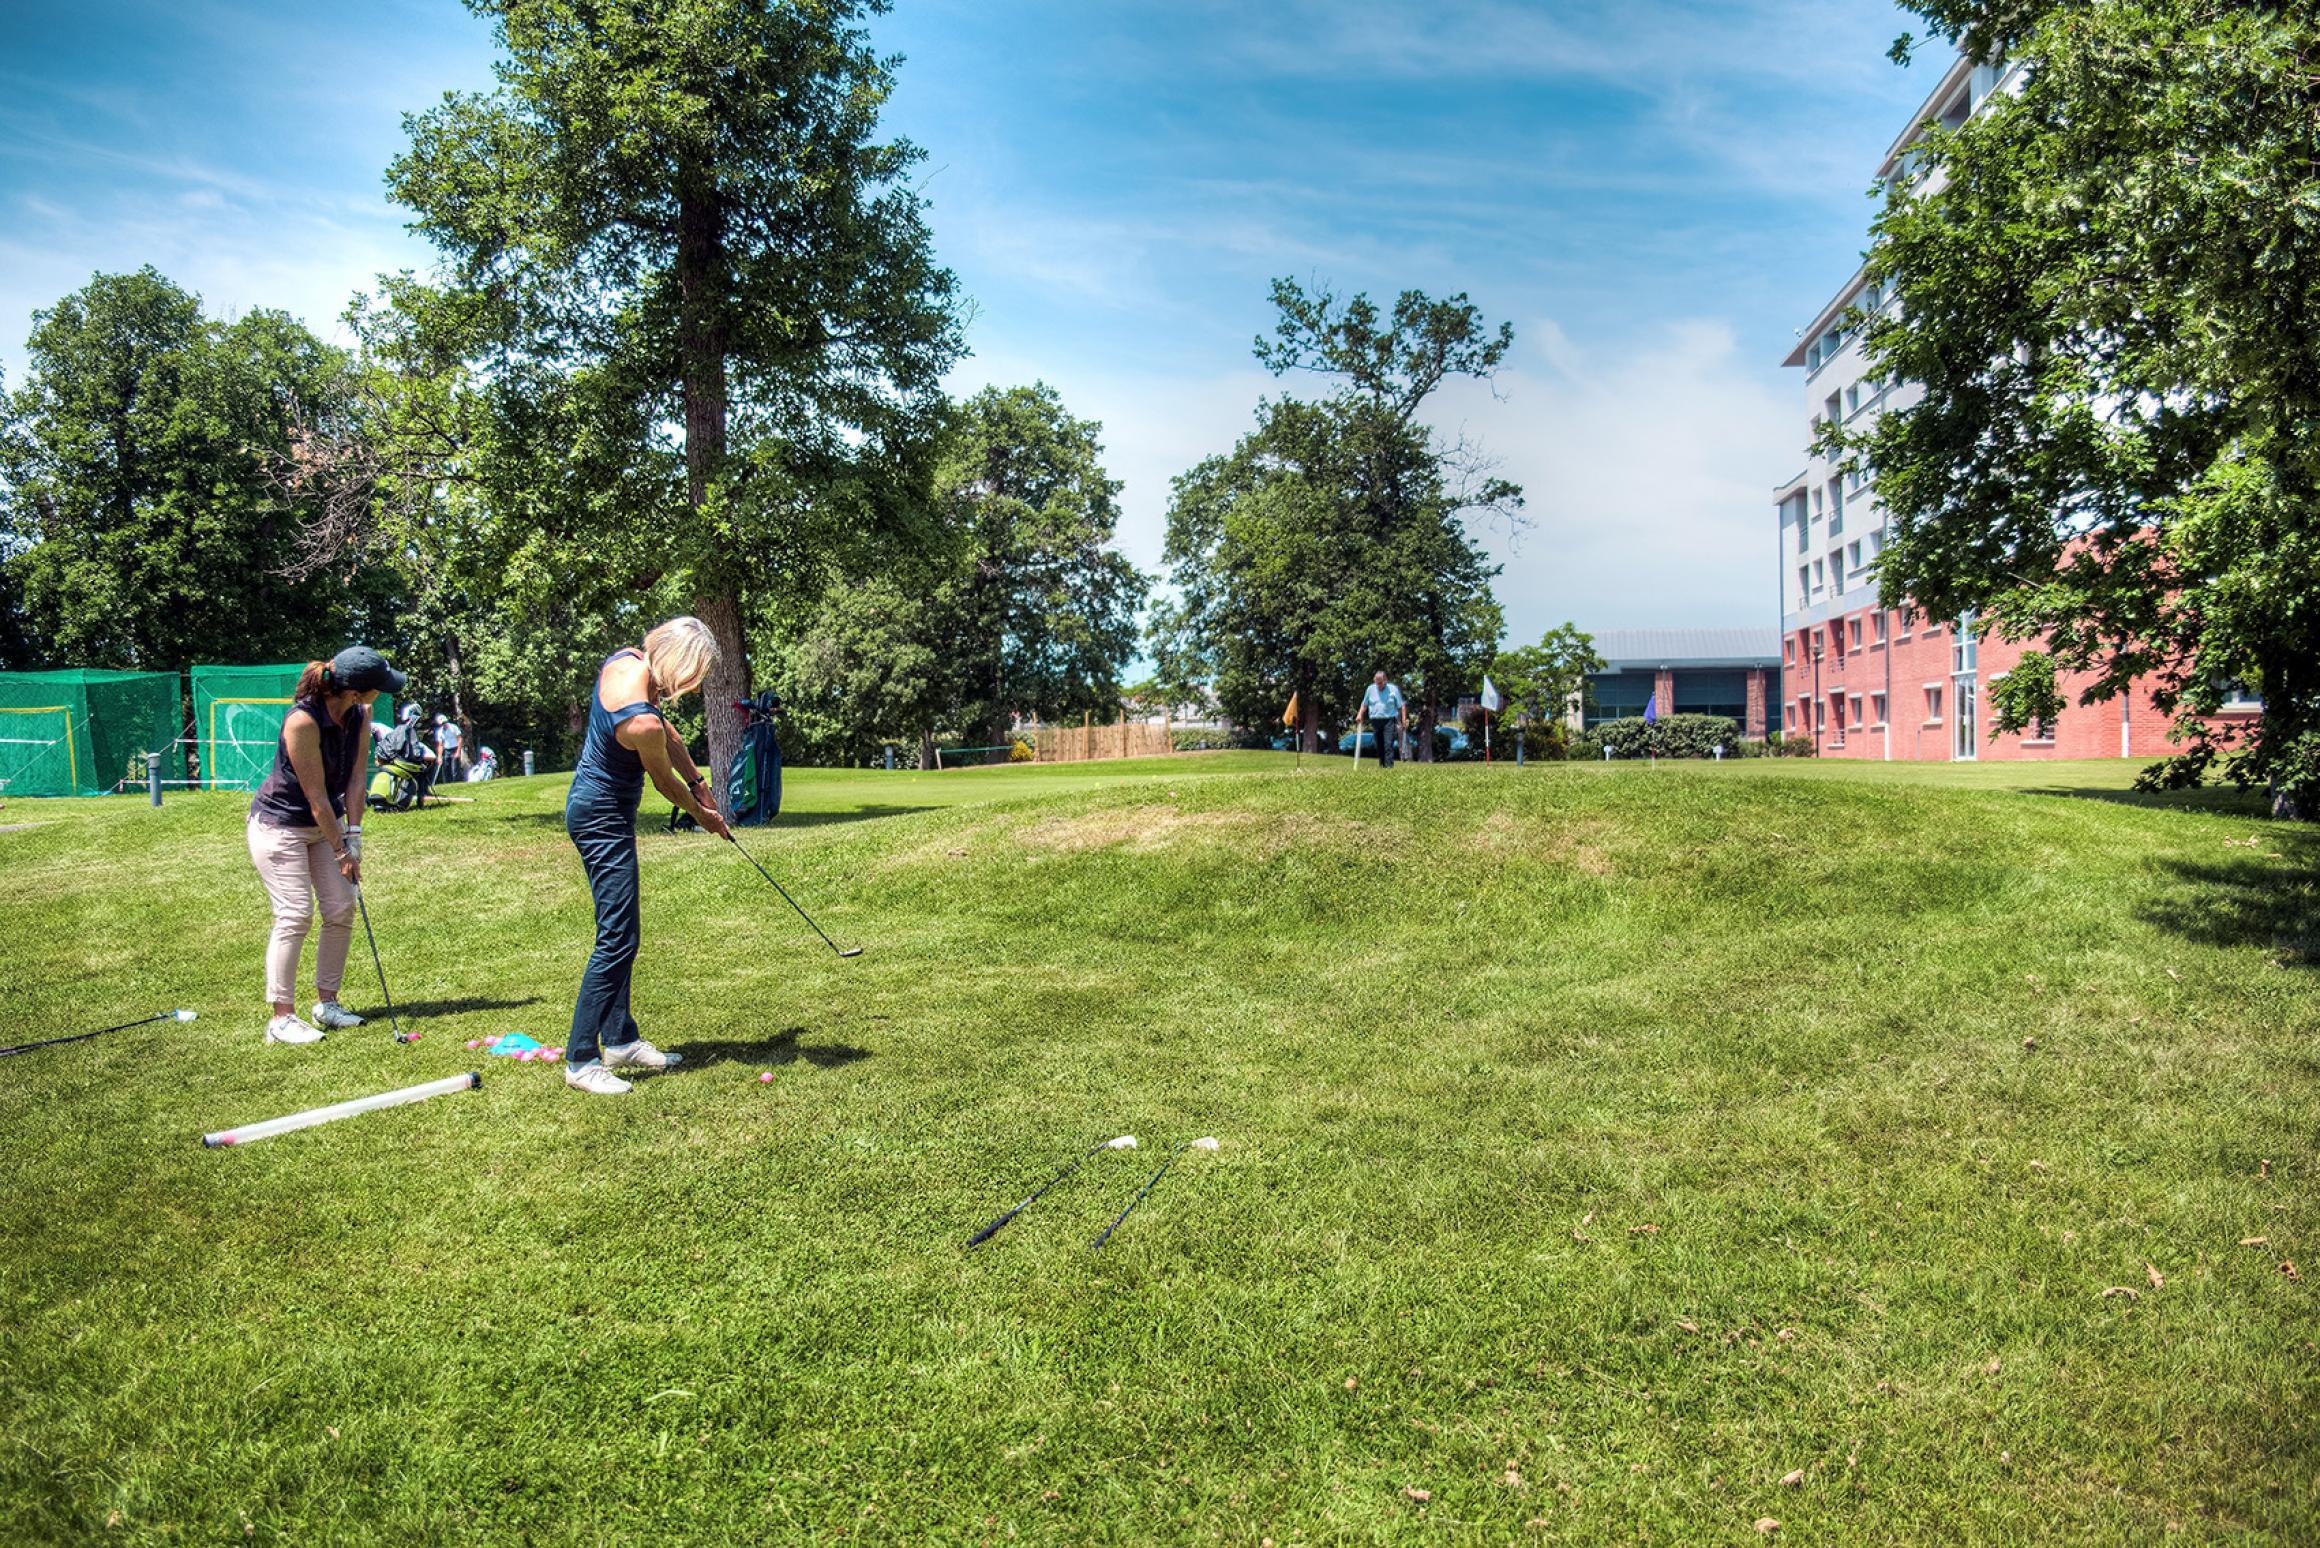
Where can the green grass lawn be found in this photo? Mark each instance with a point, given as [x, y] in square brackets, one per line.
[1601, 1147]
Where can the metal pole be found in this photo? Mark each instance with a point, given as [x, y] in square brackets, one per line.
[527, 760]
[153, 776]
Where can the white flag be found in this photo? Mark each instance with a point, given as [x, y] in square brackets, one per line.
[1490, 699]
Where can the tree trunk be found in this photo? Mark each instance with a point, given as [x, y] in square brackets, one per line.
[701, 349]
[1426, 718]
[926, 749]
[1309, 724]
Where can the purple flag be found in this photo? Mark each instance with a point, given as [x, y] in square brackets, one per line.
[1651, 711]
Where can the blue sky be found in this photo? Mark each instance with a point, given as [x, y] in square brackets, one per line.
[1656, 194]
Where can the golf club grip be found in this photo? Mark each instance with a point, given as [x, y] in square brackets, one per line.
[1138, 1199]
[81, 1037]
[994, 1228]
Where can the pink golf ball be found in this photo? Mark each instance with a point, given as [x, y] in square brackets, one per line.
[491, 1042]
[475, 1042]
[768, 1075]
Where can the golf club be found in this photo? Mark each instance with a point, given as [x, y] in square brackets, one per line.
[400, 1035]
[1124, 1142]
[851, 951]
[1204, 1143]
[168, 1015]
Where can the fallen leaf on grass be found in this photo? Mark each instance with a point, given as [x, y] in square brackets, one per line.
[1689, 1327]
[2037, 1166]
[2289, 1269]
[2030, 1042]
[2178, 977]
[1991, 1368]
[1767, 1525]
[2263, 1170]
[1785, 1334]
[1513, 1479]
[1643, 1230]
[1792, 1480]
[330, 1430]
[1420, 1495]
[2158, 1280]
[1352, 1382]
[2255, 1241]
[2129, 1291]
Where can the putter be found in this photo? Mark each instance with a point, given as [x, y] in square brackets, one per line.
[851, 951]
[1124, 1142]
[392, 1020]
[77, 1037]
[1198, 1144]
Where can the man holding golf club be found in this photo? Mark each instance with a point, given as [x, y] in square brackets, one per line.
[301, 840]
[629, 738]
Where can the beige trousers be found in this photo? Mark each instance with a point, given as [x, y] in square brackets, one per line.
[300, 871]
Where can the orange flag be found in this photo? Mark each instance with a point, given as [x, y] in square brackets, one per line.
[1289, 715]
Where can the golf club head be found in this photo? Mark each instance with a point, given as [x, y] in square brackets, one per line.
[1124, 1142]
[406, 1037]
[1205, 1143]
[851, 951]
[183, 1015]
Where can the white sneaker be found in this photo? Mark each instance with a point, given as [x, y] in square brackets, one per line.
[641, 1055]
[331, 1014]
[595, 1079]
[289, 1029]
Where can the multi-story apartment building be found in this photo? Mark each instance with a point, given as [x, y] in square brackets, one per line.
[1871, 682]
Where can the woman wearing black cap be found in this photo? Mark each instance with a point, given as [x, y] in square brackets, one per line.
[300, 841]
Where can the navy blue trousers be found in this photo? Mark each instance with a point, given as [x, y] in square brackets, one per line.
[605, 834]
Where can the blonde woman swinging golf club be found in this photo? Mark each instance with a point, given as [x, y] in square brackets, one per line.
[628, 739]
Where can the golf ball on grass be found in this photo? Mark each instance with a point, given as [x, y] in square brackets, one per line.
[475, 1042]
[765, 1076]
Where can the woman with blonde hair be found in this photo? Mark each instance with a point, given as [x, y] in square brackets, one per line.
[305, 833]
[628, 739]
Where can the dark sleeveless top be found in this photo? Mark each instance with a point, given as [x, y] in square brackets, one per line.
[281, 800]
[610, 778]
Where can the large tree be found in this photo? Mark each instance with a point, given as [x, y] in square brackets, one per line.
[141, 523]
[1333, 539]
[702, 287]
[2109, 287]
[1541, 680]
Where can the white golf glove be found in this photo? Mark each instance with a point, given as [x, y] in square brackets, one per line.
[353, 838]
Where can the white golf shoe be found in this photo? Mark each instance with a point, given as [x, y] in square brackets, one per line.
[641, 1055]
[331, 1014]
[595, 1079]
[289, 1029]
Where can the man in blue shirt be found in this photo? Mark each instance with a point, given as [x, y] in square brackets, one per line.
[1382, 707]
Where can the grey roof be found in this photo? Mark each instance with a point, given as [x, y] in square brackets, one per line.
[1634, 648]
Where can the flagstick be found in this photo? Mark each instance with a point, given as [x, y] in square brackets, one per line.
[1357, 744]
[1486, 736]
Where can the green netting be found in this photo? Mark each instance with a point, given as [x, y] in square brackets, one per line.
[85, 732]
[237, 720]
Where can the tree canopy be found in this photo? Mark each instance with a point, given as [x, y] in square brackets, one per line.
[2109, 287]
[1332, 540]
[702, 290]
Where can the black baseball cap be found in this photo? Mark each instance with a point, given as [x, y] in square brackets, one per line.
[362, 669]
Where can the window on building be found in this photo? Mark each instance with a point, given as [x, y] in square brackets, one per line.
[1837, 574]
[1803, 581]
[1877, 627]
[1964, 649]
[1836, 507]
[1833, 408]
[1901, 623]
[1788, 650]
[1788, 717]
[1819, 574]
[1877, 709]
[1857, 718]
[1837, 718]
[1817, 497]
[1853, 555]
[1932, 704]
[1856, 634]
[2239, 698]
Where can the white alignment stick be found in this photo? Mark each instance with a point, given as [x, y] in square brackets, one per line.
[336, 1110]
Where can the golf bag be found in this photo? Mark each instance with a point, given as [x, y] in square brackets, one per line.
[404, 770]
[753, 790]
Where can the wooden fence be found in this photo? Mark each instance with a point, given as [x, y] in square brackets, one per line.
[1088, 742]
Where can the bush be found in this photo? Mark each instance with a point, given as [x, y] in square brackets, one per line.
[1020, 752]
[1779, 746]
[1676, 736]
[1547, 740]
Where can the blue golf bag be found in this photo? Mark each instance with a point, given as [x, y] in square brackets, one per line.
[753, 788]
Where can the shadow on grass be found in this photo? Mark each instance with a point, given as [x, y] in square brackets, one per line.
[459, 1007]
[2219, 800]
[781, 1048]
[2255, 901]
[649, 821]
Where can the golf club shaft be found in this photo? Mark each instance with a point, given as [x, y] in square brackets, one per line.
[994, 1227]
[78, 1037]
[392, 1020]
[1139, 1198]
[784, 891]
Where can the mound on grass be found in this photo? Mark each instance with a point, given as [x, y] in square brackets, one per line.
[1606, 1154]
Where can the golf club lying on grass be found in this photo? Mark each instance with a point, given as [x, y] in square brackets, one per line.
[851, 951]
[171, 1015]
[392, 1020]
[1203, 1143]
[1124, 1142]
[314, 1115]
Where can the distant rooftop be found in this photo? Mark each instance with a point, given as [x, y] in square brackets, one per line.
[1636, 648]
